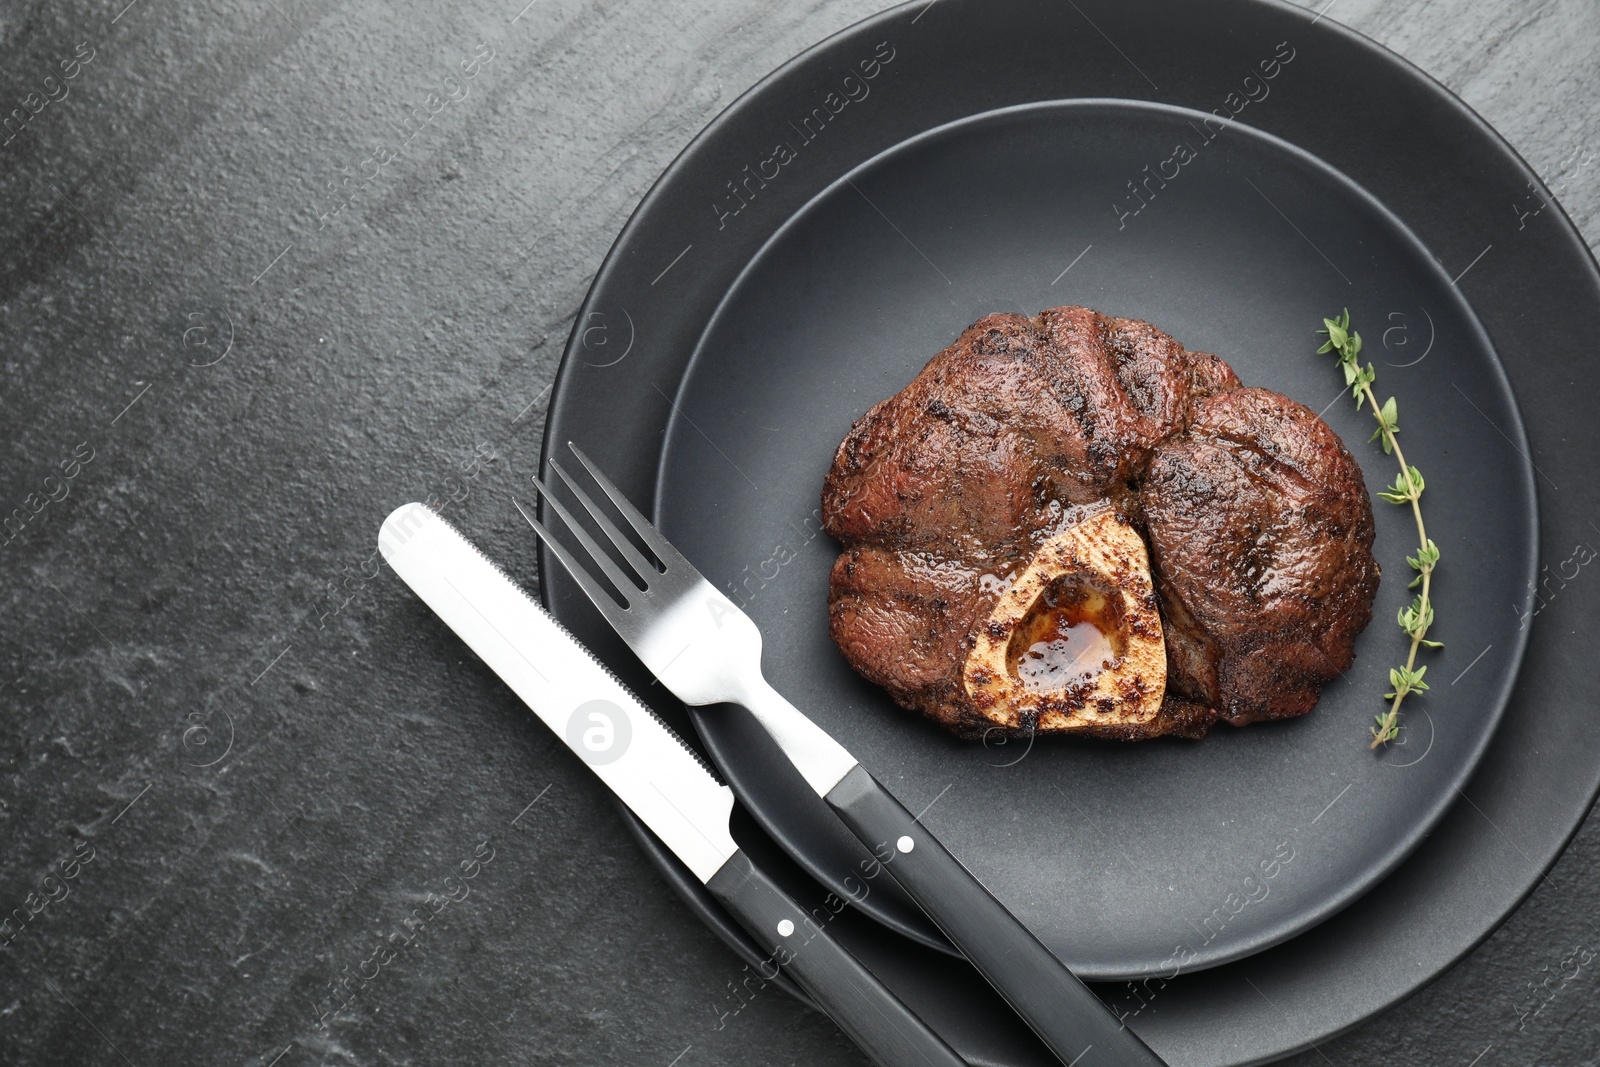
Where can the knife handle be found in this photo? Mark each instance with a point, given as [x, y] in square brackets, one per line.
[1059, 1007]
[865, 1009]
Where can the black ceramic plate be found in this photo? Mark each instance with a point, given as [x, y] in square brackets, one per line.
[1126, 860]
[1432, 170]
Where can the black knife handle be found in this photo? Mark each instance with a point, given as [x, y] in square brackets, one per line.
[1060, 1008]
[872, 1016]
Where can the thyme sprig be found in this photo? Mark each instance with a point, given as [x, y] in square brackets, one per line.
[1415, 619]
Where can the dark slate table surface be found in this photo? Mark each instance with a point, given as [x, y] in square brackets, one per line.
[223, 781]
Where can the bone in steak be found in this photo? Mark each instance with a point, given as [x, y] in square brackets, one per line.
[1047, 492]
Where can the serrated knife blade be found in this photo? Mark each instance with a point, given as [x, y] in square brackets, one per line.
[633, 752]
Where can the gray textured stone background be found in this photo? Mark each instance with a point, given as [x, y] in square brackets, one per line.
[200, 682]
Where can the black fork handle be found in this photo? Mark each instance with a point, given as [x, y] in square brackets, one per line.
[1062, 1011]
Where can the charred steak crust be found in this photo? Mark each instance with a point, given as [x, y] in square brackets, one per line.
[1256, 517]
[1261, 530]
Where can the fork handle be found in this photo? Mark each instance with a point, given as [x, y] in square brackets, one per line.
[865, 1009]
[1060, 1008]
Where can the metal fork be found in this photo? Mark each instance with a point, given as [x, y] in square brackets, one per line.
[706, 650]
[699, 643]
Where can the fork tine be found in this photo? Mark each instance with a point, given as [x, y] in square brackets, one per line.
[627, 588]
[620, 540]
[670, 557]
[597, 593]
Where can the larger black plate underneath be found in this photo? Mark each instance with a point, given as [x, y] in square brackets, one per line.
[1431, 162]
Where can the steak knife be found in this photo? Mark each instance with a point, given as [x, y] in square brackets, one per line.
[649, 767]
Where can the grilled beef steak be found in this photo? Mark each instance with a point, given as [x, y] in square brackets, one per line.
[995, 515]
